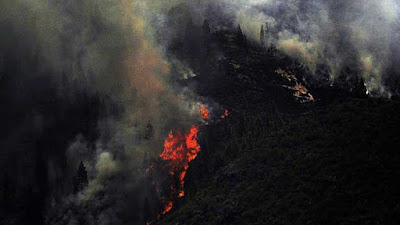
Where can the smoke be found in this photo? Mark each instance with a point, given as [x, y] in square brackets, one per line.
[114, 50]
[360, 34]
[104, 49]
[291, 45]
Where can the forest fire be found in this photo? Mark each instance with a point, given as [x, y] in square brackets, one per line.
[204, 111]
[150, 168]
[226, 114]
[168, 207]
[179, 150]
[301, 92]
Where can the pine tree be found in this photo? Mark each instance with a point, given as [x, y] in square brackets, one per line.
[146, 211]
[7, 190]
[145, 163]
[245, 42]
[80, 180]
[148, 133]
[262, 36]
[239, 35]
[206, 27]
[359, 89]
[189, 29]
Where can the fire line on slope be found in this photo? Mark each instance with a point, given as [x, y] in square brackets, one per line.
[300, 91]
[179, 150]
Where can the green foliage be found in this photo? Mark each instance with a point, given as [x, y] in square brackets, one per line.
[330, 165]
[276, 161]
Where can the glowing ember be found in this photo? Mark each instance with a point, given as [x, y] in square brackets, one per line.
[179, 150]
[204, 111]
[301, 92]
[150, 168]
[288, 75]
[168, 207]
[226, 114]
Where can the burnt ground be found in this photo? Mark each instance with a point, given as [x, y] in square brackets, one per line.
[275, 160]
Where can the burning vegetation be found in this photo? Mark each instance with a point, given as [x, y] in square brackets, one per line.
[179, 150]
[301, 92]
[204, 112]
[226, 114]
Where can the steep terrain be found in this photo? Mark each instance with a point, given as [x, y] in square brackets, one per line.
[277, 161]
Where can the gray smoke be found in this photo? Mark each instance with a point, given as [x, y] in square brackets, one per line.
[107, 49]
[112, 49]
[362, 34]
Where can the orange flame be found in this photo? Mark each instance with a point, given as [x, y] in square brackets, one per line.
[204, 111]
[179, 150]
[168, 207]
[301, 92]
[226, 114]
[149, 168]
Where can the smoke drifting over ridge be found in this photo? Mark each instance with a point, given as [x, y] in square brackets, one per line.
[362, 35]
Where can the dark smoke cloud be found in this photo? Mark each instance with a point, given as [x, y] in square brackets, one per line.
[106, 49]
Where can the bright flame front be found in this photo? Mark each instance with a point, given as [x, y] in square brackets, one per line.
[179, 150]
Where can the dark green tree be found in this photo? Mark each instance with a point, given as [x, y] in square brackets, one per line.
[7, 194]
[359, 88]
[206, 27]
[146, 211]
[262, 35]
[245, 42]
[80, 180]
[149, 132]
[145, 163]
[239, 35]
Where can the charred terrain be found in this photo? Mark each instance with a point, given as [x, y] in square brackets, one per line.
[277, 144]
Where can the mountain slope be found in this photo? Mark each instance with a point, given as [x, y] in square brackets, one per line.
[276, 161]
